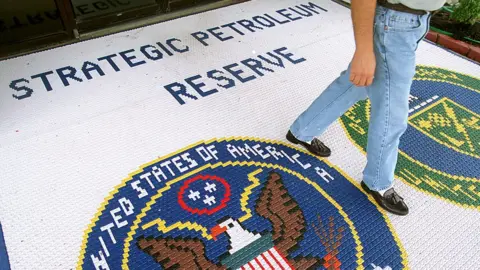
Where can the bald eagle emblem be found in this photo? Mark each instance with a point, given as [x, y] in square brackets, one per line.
[247, 249]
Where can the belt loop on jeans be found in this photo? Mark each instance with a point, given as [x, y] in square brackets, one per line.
[400, 7]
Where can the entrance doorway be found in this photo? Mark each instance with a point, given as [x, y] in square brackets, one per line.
[31, 25]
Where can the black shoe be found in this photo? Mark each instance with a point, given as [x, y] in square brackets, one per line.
[316, 147]
[390, 200]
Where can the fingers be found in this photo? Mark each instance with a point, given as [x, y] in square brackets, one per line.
[369, 81]
[361, 80]
[354, 79]
[362, 68]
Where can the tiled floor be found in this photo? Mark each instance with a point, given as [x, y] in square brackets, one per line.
[164, 146]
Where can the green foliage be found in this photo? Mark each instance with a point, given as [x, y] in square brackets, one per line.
[467, 11]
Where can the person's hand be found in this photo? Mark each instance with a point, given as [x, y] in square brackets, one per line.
[363, 68]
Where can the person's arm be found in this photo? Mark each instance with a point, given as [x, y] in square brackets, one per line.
[363, 62]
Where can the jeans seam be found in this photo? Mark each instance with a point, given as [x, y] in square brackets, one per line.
[387, 117]
[326, 107]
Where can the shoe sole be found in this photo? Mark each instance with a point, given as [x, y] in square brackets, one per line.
[379, 203]
[300, 143]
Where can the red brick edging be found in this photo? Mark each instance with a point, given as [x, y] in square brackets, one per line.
[460, 47]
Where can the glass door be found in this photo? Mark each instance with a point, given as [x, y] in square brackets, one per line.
[22, 20]
[31, 25]
[96, 14]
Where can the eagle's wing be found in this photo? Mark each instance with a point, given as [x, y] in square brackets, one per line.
[174, 253]
[276, 205]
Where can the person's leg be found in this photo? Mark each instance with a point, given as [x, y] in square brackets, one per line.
[396, 42]
[332, 103]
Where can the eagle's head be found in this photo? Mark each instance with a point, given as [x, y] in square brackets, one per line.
[226, 224]
[238, 236]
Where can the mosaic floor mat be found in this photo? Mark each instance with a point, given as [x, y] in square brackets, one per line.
[164, 148]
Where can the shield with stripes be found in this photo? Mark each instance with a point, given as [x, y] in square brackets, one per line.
[249, 250]
[270, 259]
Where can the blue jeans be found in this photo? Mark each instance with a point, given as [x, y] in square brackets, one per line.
[396, 38]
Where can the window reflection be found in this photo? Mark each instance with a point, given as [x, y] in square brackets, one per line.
[26, 19]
